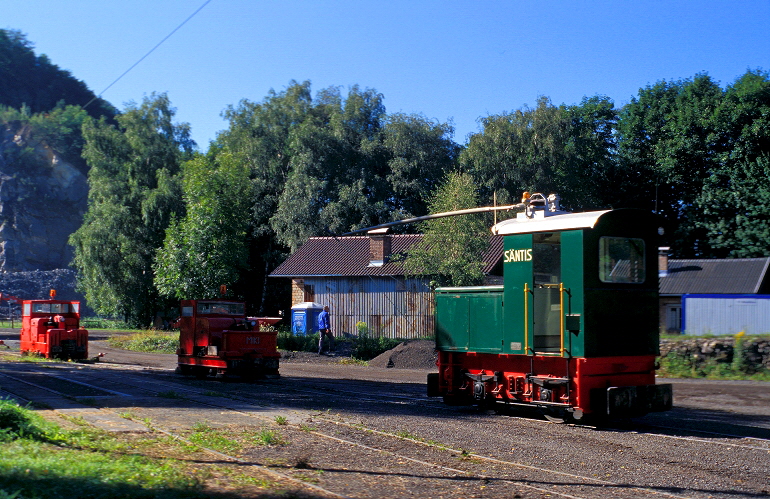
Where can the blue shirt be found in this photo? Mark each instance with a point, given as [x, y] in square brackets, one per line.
[323, 320]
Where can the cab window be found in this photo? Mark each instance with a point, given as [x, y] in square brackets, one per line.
[621, 259]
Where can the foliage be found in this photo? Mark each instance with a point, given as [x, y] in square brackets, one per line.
[451, 249]
[59, 128]
[367, 347]
[678, 366]
[134, 193]
[734, 206]
[699, 157]
[103, 323]
[291, 342]
[146, 341]
[325, 165]
[209, 247]
[33, 81]
[564, 149]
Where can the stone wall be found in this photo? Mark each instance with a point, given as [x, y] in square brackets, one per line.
[756, 351]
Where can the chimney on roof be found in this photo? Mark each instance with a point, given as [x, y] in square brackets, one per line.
[663, 261]
[379, 247]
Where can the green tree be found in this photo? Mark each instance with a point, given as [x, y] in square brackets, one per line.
[34, 81]
[698, 157]
[562, 149]
[328, 164]
[733, 208]
[451, 248]
[134, 192]
[666, 145]
[209, 246]
[518, 151]
[591, 179]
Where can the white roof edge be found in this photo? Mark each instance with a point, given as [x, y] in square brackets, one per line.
[585, 220]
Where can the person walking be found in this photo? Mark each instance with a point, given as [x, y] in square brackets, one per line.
[324, 330]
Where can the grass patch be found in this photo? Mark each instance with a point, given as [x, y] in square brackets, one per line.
[349, 361]
[147, 341]
[214, 438]
[679, 366]
[40, 460]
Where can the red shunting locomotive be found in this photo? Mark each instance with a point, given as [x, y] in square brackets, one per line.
[51, 329]
[217, 339]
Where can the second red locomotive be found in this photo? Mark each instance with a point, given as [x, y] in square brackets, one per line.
[216, 338]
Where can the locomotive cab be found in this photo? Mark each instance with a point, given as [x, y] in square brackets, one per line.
[574, 328]
[217, 338]
[51, 329]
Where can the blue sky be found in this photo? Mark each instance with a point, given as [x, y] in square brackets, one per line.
[447, 60]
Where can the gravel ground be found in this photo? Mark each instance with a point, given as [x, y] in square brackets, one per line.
[413, 354]
[335, 410]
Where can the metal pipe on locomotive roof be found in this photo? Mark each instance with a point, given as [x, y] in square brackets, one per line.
[528, 203]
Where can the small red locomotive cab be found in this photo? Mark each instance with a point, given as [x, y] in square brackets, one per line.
[51, 328]
[216, 338]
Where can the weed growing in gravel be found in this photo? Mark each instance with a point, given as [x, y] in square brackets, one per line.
[201, 426]
[350, 361]
[281, 420]
[35, 358]
[268, 437]
[127, 415]
[302, 460]
[406, 434]
[305, 427]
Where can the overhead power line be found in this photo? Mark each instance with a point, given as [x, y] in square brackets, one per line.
[148, 53]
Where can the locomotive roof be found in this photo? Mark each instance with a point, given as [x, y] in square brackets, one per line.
[552, 223]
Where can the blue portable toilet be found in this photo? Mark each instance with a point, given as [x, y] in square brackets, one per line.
[304, 317]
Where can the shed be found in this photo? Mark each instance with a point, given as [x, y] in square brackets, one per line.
[726, 314]
[731, 279]
[356, 277]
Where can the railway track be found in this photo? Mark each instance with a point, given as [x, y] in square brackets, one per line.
[400, 457]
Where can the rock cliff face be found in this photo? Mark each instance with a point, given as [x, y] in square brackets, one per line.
[42, 201]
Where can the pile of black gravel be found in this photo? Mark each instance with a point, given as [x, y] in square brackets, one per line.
[411, 354]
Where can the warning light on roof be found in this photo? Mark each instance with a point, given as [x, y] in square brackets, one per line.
[52, 293]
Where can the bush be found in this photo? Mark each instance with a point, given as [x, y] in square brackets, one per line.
[367, 347]
[102, 323]
[287, 340]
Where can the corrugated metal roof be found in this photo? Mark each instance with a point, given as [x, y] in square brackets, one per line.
[349, 256]
[723, 276]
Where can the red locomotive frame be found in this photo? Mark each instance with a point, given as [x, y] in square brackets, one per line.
[216, 338]
[51, 329]
[540, 382]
